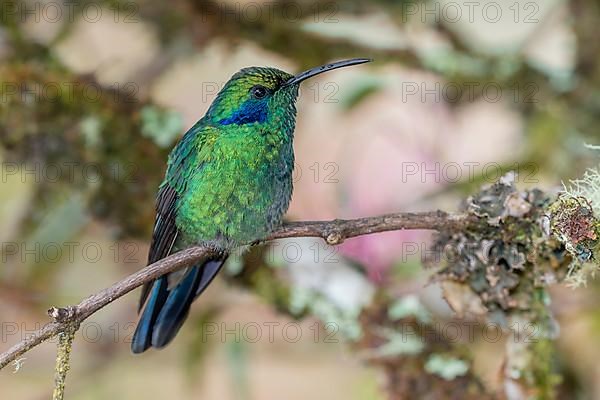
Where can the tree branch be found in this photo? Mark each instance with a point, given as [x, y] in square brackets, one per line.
[333, 232]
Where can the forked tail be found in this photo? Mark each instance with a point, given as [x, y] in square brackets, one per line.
[167, 308]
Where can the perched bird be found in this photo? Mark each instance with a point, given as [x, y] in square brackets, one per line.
[228, 183]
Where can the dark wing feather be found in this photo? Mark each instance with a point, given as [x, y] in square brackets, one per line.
[182, 161]
[165, 232]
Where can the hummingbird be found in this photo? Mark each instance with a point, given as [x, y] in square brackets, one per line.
[228, 183]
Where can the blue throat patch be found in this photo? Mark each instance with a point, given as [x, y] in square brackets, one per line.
[249, 112]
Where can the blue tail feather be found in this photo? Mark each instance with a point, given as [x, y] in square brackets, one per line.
[175, 309]
[143, 332]
[166, 310]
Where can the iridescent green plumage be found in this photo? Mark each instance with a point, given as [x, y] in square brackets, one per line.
[238, 184]
[228, 182]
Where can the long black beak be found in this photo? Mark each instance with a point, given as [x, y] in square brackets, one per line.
[324, 68]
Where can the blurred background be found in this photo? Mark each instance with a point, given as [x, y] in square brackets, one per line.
[95, 93]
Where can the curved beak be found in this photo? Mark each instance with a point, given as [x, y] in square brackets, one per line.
[324, 68]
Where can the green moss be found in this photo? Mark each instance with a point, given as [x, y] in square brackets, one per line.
[63, 356]
[540, 372]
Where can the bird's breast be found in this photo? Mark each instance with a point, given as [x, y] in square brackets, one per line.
[240, 194]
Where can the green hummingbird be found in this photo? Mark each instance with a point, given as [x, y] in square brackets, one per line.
[228, 183]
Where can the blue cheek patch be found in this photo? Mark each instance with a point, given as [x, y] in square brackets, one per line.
[249, 112]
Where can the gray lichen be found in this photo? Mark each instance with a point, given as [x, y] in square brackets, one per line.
[506, 263]
[509, 255]
[446, 367]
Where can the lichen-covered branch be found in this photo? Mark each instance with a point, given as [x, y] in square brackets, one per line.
[501, 273]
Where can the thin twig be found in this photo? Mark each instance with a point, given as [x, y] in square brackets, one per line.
[334, 232]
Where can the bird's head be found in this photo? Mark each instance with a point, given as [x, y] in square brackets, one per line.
[259, 95]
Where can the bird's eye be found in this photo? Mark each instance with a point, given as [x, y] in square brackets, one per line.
[259, 92]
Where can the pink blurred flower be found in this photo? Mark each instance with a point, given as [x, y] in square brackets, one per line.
[374, 149]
